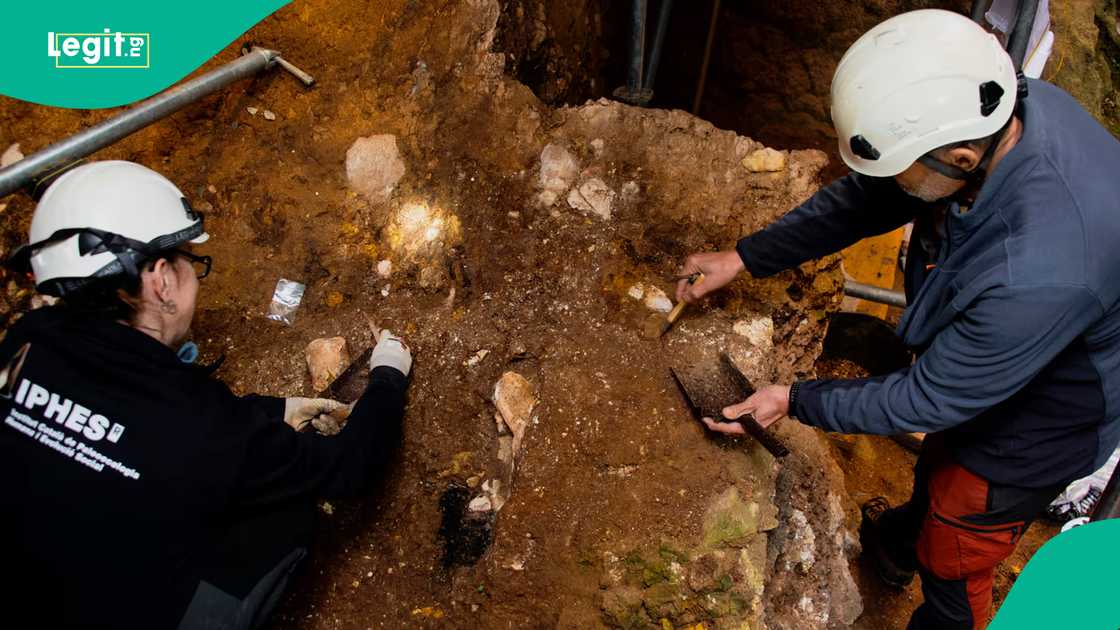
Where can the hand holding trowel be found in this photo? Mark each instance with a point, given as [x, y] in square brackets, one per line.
[712, 389]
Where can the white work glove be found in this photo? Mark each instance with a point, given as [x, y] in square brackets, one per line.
[392, 352]
[299, 412]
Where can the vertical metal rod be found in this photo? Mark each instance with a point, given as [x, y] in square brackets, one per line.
[707, 59]
[979, 7]
[1020, 36]
[125, 123]
[658, 42]
[637, 45]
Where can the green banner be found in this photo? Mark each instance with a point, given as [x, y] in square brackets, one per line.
[1070, 582]
[87, 55]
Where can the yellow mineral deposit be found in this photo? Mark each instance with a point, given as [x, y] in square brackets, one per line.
[419, 225]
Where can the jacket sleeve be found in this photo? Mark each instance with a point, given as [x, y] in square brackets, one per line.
[281, 464]
[987, 354]
[851, 208]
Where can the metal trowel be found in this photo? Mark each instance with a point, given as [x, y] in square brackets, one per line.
[709, 388]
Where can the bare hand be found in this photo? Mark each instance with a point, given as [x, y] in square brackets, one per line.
[767, 405]
[719, 268]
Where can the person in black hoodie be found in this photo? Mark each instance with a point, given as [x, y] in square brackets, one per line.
[140, 492]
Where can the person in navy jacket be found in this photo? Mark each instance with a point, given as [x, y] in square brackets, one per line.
[1012, 285]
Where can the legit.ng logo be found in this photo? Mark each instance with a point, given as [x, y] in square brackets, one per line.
[106, 50]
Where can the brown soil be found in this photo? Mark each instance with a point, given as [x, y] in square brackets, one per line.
[614, 461]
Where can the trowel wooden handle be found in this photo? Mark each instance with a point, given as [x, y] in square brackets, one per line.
[679, 308]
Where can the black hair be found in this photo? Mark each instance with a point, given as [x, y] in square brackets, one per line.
[102, 298]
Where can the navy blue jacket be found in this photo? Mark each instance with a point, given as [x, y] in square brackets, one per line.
[1017, 322]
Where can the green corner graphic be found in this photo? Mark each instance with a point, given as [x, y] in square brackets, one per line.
[90, 55]
[1068, 583]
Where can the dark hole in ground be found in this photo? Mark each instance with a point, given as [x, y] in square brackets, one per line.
[465, 535]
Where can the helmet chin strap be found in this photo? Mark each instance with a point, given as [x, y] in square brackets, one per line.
[954, 172]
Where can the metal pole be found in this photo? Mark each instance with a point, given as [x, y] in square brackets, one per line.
[637, 45]
[979, 7]
[658, 42]
[105, 133]
[1020, 36]
[874, 294]
[707, 59]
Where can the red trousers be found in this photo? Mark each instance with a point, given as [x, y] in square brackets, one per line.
[956, 528]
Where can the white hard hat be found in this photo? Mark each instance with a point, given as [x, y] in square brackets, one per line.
[102, 219]
[916, 82]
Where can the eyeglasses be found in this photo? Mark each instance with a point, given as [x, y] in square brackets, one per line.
[201, 264]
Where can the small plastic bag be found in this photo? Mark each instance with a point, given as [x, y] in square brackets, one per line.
[285, 301]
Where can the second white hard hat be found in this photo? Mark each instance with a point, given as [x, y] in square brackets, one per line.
[101, 219]
[916, 82]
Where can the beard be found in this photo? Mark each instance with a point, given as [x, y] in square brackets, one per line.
[933, 187]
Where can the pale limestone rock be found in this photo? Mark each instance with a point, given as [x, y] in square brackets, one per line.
[514, 398]
[374, 166]
[765, 160]
[558, 169]
[476, 358]
[326, 359]
[11, 155]
[656, 300]
[592, 196]
[759, 331]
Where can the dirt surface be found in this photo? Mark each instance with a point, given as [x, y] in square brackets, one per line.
[622, 506]
[613, 466]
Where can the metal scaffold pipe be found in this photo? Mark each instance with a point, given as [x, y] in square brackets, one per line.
[874, 294]
[103, 134]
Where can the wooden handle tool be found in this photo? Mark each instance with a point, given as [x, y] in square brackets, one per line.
[675, 314]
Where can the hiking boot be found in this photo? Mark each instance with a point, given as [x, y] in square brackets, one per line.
[871, 536]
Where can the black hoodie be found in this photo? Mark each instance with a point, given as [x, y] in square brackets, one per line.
[121, 465]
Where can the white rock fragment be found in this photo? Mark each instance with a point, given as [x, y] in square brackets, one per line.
[759, 331]
[497, 492]
[11, 155]
[592, 196]
[374, 166]
[636, 291]
[476, 358]
[39, 301]
[656, 300]
[597, 146]
[385, 291]
[558, 171]
[268, 115]
[385, 268]
[630, 190]
[802, 550]
[514, 398]
[213, 190]
[765, 160]
[326, 359]
[252, 110]
[480, 504]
